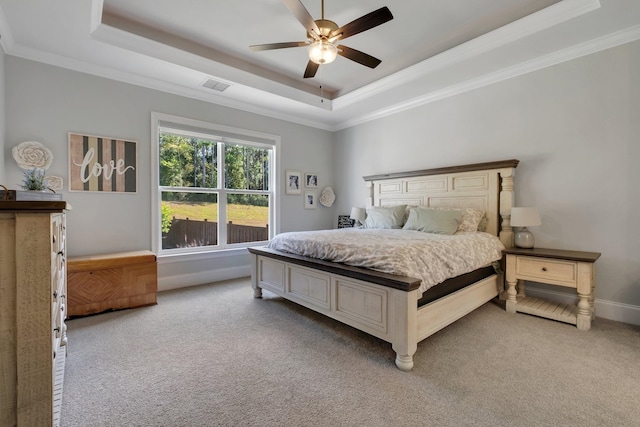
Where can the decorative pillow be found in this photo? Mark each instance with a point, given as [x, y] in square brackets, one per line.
[437, 221]
[384, 217]
[471, 219]
[483, 223]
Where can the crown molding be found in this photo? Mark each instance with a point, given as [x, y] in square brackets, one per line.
[602, 43]
[6, 39]
[203, 59]
[531, 24]
[159, 85]
[332, 121]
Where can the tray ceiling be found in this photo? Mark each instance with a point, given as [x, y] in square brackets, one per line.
[431, 49]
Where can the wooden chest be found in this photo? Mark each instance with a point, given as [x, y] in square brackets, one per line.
[111, 282]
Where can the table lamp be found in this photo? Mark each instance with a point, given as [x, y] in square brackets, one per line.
[358, 214]
[524, 217]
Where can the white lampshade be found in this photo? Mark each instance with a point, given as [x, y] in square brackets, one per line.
[322, 52]
[358, 214]
[525, 217]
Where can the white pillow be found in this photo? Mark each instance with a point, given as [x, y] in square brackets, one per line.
[384, 217]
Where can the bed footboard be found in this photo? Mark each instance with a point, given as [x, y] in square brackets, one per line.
[385, 312]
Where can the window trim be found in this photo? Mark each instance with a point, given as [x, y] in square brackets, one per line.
[206, 130]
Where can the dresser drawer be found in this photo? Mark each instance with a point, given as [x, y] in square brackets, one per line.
[548, 271]
[57, 327]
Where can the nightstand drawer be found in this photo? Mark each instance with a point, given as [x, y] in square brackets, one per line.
[560, 272]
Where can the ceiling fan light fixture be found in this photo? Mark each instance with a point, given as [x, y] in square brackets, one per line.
[323, 33]
[322, 52]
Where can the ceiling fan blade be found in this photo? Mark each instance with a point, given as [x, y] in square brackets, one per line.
[302, 15]
[270, 46]
[359, 57]
[364, 23]
[311, 70]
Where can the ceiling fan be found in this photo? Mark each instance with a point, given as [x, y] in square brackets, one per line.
[322, 35]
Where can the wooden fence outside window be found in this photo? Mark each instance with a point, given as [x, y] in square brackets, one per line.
[190, 233]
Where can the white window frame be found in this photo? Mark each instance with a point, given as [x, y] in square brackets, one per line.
[214, 132]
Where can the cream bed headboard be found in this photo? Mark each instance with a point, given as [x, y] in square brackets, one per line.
[486, 186]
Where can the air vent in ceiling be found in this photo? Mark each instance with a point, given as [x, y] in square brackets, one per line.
[215, 85]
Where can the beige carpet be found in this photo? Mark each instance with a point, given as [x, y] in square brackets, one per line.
[214, 356]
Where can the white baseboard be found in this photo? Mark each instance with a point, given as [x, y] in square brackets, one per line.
[166, 283]
[606, 309]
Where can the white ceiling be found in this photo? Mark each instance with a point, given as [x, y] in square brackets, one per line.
[430, 50]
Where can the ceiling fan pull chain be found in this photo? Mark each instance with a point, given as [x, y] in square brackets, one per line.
[321, 88]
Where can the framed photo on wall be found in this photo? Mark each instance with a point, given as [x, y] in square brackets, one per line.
[311, 180]
[293, 182]
[310, 199]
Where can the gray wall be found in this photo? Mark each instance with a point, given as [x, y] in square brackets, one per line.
[574, 127]
[46, 102]
[2, 118]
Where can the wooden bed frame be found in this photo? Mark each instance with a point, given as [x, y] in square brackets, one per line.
[384, 305]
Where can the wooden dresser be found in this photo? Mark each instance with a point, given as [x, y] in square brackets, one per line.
[33, 282]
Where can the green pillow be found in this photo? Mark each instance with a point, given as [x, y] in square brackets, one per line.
[433, 220]
[384, 217]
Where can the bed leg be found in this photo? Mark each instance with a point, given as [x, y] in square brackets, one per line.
[257, 290]
[404, 327]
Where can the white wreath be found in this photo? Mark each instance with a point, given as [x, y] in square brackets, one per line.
[32, 154]
[54, 182]
[327, 197]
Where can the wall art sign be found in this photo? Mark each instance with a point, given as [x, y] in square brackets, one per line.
[102, 164]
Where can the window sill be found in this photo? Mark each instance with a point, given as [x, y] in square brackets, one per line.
[197, 256]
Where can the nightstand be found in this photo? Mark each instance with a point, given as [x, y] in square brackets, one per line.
[572, 269]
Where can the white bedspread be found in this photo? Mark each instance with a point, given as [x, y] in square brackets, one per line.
[433, 258]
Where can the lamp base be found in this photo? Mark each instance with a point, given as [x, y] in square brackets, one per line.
[524, 239]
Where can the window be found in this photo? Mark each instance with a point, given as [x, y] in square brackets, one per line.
[215, 186]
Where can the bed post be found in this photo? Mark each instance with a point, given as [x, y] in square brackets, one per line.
[370, 195]
[506, 203]
[257, 290]
[404, 327]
